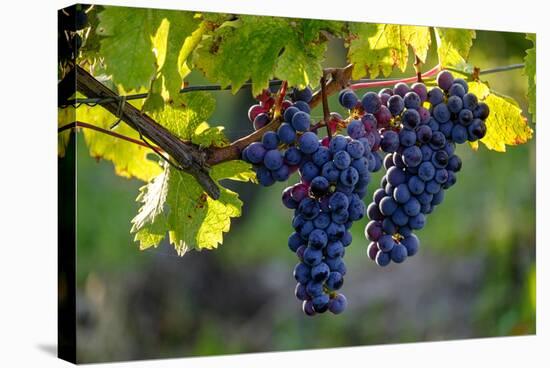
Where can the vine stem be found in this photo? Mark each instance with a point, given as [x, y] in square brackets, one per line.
[326, 110]
[81, 124]
[388, 83]
[340, 78]
[188, 156]
[218, 155]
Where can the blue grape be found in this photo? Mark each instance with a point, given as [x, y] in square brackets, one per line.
[264, 176]
[355, 149]
[337, 143]
[300, 121]
[308, 171]
[412, 100]
[457, 90]
[312, 257]
[401, 89]
[302, 95]
[459, 134]
[308, 142]
[338, 304]
[435, 96]
[302, 106]
[317, 239]
[454, 104]
[390, 141]
[371, 102]
[348, 99]
[319, 186]
[335, 281]
[356, 129]
[321, 156]
[341, 160]
[349, 176]
[382, 259]
[444, 80]
[289, 113]
[286, 133]
[302, 273]
[410, 118]
[441, 113]
[411, 243]
[293, 156]
[320, 272]
[398, 253]
[407, 137]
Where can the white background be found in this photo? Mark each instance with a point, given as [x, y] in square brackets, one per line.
[28, 280]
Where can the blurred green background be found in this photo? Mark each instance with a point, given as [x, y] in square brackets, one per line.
[473, 277]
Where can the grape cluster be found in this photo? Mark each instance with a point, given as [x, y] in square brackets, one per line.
[421, 163]
[326, 202]
[416, 128]
[280, 153]
[334, 174]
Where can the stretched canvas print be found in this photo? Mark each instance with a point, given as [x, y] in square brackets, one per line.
[235, 183]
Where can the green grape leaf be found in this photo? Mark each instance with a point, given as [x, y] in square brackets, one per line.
[530, 70]
[376, 49]
[301, 67]
[207, 136]
[505, 125]
[258, 49]
[129, 159]
[453, 45]
[127, 47]
[147, 48]
[194, 109]
[174, 203]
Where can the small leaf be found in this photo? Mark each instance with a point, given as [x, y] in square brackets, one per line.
[453, 45]
[530, 70]
[207, 136]
[174, 203]
[505, 125]
[378, 48]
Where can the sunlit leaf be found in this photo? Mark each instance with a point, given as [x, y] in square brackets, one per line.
[378, 48]
[174, 203]
[505, 125]
[259, 49]
[129, 159]
[453, 46]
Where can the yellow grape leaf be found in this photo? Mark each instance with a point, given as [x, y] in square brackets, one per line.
[505, 125]
[129, 159]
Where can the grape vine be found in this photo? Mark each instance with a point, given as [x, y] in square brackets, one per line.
[410, 128]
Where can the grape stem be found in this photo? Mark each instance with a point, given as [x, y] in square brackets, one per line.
[388, 83]
[81, 124]
[326, 109]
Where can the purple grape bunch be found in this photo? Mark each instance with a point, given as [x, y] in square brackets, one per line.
[420, 160]
[416, 128]
[278, 155]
